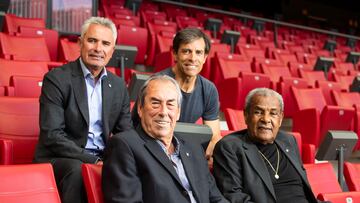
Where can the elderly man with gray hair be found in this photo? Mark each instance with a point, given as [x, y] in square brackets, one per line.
[81, 106]
[153, 164]
[261, 164]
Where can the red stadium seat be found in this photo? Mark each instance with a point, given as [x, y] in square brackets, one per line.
[234, 119]
[13, 22]
[229, 67]
[232, 91]
[19, 124]
[24, 48]
[340, 197]
[209, 65]
[24, 86]
[20, 68]
[134, 36]
[51, 38]
[352, 176]
[322, 178]
[327, 87]
[284, 88]
[92, 180]
[34, 183]
[307, 151]
[312, 76]
[69, 51]
[314, 117]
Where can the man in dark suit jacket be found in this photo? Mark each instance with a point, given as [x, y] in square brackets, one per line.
[81, 105]
[261, 164]
[152, 164]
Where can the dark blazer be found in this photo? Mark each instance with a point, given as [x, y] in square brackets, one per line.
[64, 113]
[241, 173]
[136, 169]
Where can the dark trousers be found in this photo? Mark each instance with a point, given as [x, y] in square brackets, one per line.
[69, 180]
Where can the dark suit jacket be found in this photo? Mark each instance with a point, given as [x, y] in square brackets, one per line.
[241, 173]
[136, 169]
[64, 113]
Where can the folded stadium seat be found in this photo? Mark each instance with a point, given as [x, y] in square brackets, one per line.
[312, 76]
[350, 100]
[336, 71]
[120, 19]
[275, 72]
[284, 57]
[200, 15]
[6, 152]
[314, 117]
[327, 87]
[134, 36]
[23, 48]
[250, 51]
[69, 50]
[340, 197]
[303, 56]
[51, 38]
[352, 176]
[258, 62]
[124, 21]
[231, 21]
[228, 67]
[13, 22]
[208, 67]
[294, 48]
[24, 86]
[173, 11]
[185, 21]
[307, 151]
[235, 119]
[344, 80]
[322, 178]
[33, 183]
[92, 180]
[345, 66]
[153, 29]
[149, 15]
[323, 53]
[257, 40]
[20, 68]
[232, 91]
[149, 6]
[111, 10]
[19, 123]
[245, 31]
[163, 57]
[296, 67]
[284, 88]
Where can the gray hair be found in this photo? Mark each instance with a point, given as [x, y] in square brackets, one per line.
[99, 21]
[265, 92]
[188, 35]
[143, 90]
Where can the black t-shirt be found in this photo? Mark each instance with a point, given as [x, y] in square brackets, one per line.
[289, 187]
[202, 102]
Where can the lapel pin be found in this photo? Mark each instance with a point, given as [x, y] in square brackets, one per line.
[109, 85]
[287, 150]
[187, 154]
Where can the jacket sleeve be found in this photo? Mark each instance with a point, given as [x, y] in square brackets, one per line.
[120, 180]
[228, 173]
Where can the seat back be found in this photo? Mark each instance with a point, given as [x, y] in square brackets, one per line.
[51, 38]
[69, 51]
[134, 36]
[33, 183]
[235, 119]
[327, 87]
[13, 22]
[346, 99]
[24, 86]
[23, 48]
[352, 176]
[20, 68]
[92, 179]
[312, 76]
[19, 123]
[304, 98]
[322, 178]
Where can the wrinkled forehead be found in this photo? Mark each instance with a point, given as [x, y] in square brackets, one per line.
[265, 102]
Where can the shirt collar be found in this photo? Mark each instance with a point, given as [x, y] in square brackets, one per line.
[87, 73]
[176, 144]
